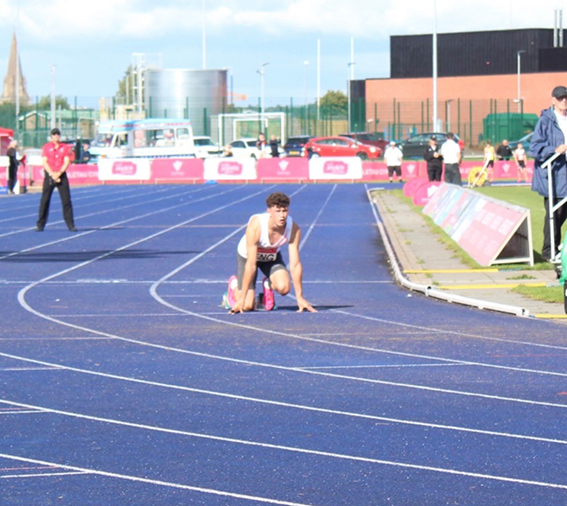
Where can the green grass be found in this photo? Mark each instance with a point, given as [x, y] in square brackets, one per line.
[544, 293]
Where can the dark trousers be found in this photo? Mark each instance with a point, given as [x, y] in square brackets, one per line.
[452, 174]
[12, 174]
[434, 172]
[64, 193]
[559, 217]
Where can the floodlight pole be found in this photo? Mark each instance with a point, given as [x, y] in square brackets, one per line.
[435, 113]
[53, 122]
[261, 72]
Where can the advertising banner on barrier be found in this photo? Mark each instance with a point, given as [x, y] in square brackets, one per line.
[503, 170]
[424, 192]
[4, 162]
[177, 169]
[294, 168]
[124, 169]
[378, 171]
[230, 169]
[374, 171]
[77, 173]
[81, 173]
[332, 168]
[489, 230]
[412, 186]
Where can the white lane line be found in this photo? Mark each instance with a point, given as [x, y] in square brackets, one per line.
[301, 407]
[377, 366]
[15, 213]
[122, 222]
[314, 222]
[42, 338]
[27, 369]
[331, 455]
[104, 204]
[21, 298]
[42, 475]
[140, 479]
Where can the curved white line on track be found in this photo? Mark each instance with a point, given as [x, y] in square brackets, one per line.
[80, 200]
[304, 451]
[149, 481]
[153, 291]
[279, 404]
[97, 213]
[300, 370]
[100, 203]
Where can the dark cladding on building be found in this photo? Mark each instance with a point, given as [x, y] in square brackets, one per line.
[476, 53]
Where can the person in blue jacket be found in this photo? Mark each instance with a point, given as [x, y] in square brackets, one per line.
[550, 137]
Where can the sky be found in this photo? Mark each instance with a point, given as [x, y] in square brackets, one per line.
[84, 47]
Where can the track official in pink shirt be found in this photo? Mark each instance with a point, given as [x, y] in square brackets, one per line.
[56, 159]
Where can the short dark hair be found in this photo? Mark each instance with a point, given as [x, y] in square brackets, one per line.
[450, 135]
[278, 199]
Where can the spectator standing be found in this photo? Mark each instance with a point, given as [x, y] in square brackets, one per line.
[12, 154]
[85, 152]
[504, 152]
[393, 157]
[434, 160]
[451, 153]
[274, 147]
[56, 158]
[520, 158]
[489, 156]
[549, 138]
[261, 145]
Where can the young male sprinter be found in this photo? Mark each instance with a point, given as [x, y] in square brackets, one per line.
[265, 234]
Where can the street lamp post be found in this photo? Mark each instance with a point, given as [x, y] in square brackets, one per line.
[519, 100]
[261, 72]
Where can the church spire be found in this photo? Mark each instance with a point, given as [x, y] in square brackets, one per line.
[14, 78]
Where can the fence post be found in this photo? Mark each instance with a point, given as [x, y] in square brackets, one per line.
[470, 123]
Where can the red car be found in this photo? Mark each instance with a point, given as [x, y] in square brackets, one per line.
[341, 146]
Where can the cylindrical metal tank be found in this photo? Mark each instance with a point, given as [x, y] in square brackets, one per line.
[185, 93]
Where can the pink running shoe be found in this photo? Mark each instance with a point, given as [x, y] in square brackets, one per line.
[269, 300]
[232, 285]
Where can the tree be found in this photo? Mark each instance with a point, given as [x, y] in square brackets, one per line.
[44, 103]
[334, 103]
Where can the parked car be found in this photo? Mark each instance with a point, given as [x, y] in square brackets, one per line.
[371, 138]
[525, 140]
[295, 146]
[245, 147]
[340, 146]
[415, 146]
[205, 147]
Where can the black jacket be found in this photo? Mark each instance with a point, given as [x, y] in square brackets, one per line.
[432, 162]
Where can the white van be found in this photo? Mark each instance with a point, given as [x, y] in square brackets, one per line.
[146, 138]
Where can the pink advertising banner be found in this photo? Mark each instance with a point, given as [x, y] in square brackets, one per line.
[294, 168]
[503, 170]
[378, 171]
[411, 186]
[177, 169]
[77, 173]
[424, 193]
[483, 227]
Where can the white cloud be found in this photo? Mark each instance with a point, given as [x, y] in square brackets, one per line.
[240, 35]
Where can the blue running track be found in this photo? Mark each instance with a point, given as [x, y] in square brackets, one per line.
[122, 381]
